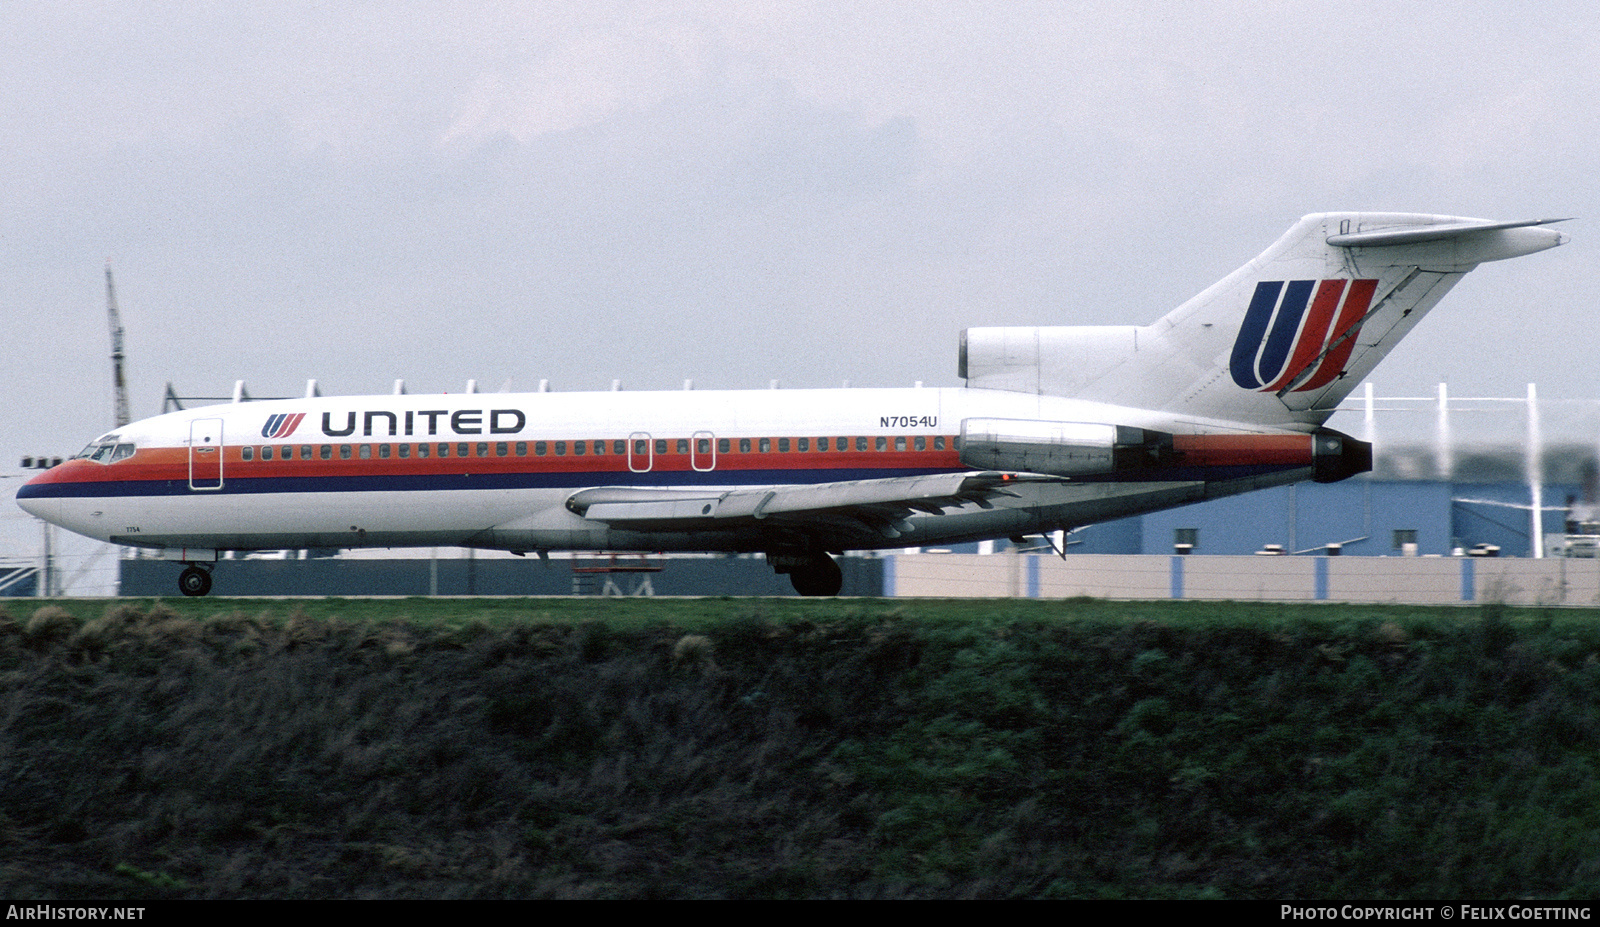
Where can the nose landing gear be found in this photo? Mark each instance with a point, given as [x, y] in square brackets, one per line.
[194, 581]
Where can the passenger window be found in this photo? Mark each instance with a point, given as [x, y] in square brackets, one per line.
[444, 450]
[900, 442]
[422, 450]
[366, 452]
[344, 452]
[822, 444]
[578, 448]
[724, 445]
[383, 452]
[326, 452]
[463, 449]
[861, 443]
[922, 443]
[305, 452]
[802, 444]
[247, 453]
[619, 447]
[483, 449]
[501, 449]
[881, 443]
[661, 445]
[405, 451]
[938, 443]
[765, 444]
[266, 452]
[683, 445]
[641, 448]
[599, 447]
[702, 445]
[540, 448]
[522, 448]
[286, 452]
[783, 445]
[561, 448]
[744, 445]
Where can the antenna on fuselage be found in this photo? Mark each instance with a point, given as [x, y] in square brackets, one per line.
[119, 383]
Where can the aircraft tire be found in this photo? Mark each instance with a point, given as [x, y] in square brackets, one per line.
[194, 581]
[821, 576]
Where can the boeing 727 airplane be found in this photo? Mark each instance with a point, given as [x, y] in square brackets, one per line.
[1056, 427]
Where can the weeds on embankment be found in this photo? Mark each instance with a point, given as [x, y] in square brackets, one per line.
[731, 749]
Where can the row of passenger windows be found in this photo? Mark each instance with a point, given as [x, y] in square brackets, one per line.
[641, 447]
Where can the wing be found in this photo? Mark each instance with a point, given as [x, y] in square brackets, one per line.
[880, 505]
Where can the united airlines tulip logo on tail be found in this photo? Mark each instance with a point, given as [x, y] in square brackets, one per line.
[1299, 330]
[282, 425]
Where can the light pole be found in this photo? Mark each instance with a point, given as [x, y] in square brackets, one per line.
[48, 583]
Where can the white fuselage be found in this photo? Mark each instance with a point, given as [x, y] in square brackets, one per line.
[497, 470]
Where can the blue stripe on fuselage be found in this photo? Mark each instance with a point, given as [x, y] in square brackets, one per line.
[655, 479]
[435, 482]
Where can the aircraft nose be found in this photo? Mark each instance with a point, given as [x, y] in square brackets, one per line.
[30, 499]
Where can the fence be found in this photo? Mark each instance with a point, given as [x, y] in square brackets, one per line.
[1404, 580]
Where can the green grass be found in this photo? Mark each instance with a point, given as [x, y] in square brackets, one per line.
[696, 612]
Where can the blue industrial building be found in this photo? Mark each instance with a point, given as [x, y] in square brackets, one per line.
[1365, 517]
[1486, 504]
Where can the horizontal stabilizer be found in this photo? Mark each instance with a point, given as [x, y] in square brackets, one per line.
[1416, 234]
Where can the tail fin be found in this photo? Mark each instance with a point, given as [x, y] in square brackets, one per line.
[1280, 341]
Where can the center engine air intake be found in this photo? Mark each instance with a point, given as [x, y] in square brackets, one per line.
[1061, 448]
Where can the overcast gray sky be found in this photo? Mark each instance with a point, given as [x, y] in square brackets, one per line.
[739, 192]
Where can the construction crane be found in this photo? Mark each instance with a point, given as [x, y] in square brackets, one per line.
[118, 382]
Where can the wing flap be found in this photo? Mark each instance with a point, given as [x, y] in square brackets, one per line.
[883, 504]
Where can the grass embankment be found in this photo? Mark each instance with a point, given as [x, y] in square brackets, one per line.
[788, 748]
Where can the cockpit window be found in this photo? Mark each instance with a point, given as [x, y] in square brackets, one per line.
[106, 449]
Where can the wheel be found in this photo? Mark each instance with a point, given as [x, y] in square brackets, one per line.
[817, 576]
[194, 581]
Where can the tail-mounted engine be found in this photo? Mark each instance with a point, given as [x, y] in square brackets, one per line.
[1061, 448]
[1336, 456]
[1091, 449]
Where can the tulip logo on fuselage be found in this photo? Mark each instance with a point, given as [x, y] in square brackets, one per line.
[1299, 332]
[282, 425]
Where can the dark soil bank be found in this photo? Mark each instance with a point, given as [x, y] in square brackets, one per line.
[148, 755]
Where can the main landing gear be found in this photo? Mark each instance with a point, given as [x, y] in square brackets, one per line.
[194, 581]
[811, 574]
